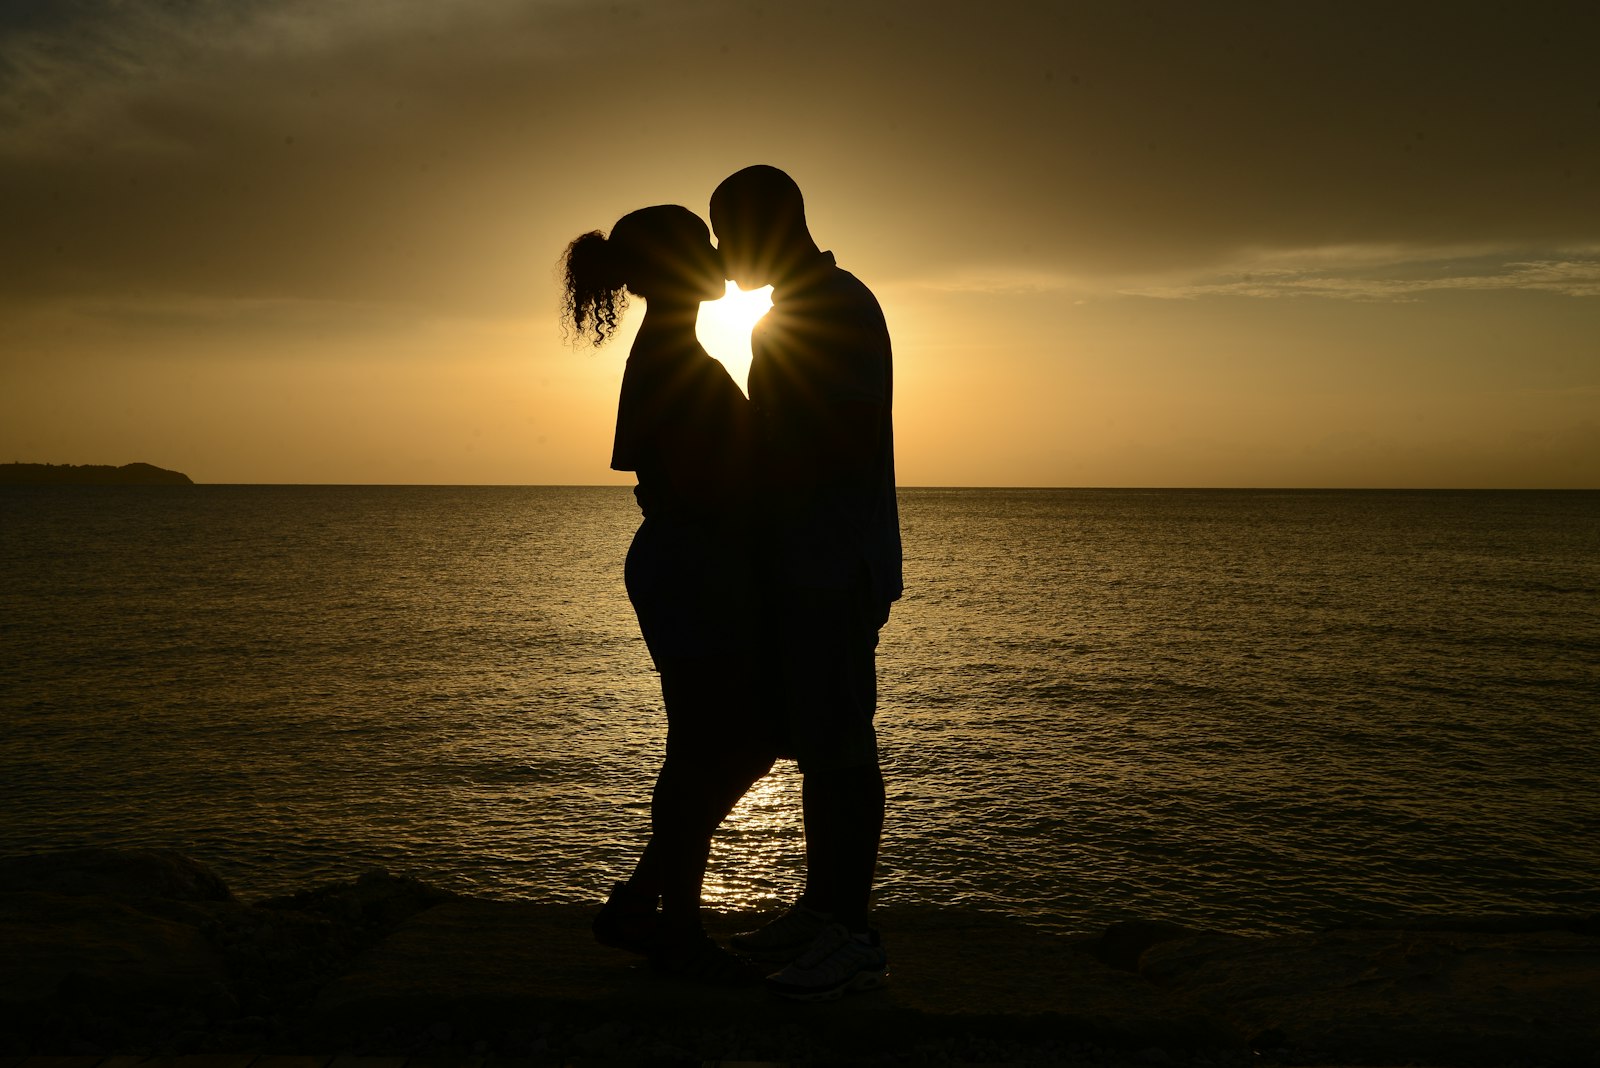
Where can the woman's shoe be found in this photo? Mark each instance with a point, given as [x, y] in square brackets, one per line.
[628, 920]
[693, 955]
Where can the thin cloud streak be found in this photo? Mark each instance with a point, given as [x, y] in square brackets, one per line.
[1570, 278]
[1358, 273]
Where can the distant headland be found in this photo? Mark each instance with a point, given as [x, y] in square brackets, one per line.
[90, 475]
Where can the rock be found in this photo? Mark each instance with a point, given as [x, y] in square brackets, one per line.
[125, 874]
[375, 899]
[97, 950]
[145, 952]
[90, 969]
[1123, 944]
[1460, 997]
[98, 934]
[139, 950]
[1490, 924]
[487, 967]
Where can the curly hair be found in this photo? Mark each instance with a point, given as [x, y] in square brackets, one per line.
[595, 296]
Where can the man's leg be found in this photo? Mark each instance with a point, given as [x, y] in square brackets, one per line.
[844, 819]
[832, 671]
[843, 824]
[843, 797]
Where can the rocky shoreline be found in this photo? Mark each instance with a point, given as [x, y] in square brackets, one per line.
[148, 952]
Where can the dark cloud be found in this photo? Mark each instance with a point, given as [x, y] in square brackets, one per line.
[440, 154]
[1179, 131]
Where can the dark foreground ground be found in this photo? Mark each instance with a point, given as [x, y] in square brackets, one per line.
[128, 958]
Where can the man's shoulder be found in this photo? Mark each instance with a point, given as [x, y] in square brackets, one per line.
[829, 318]
[845, 280]
[841, 296]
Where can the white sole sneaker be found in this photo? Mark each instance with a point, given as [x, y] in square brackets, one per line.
[836, 963]
[860, 981]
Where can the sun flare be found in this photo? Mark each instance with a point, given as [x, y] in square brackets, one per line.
[724, 327]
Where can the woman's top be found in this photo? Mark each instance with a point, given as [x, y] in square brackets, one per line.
[685, 428]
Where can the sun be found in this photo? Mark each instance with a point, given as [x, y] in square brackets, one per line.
[724, 327]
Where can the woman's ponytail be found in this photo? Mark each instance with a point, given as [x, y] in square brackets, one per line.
[595, 294]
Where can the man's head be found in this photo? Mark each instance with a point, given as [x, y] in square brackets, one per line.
[760, 222]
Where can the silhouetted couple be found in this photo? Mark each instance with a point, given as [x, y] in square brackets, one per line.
[765, 565]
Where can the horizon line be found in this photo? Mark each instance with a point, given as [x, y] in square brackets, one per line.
[969, 486]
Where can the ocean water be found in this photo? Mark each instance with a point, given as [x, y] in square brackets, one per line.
[1258, 711]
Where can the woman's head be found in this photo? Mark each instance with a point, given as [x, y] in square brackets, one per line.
[662, 253]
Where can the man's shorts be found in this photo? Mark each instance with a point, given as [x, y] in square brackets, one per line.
[825, 665]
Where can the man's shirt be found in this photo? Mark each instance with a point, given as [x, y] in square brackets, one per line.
[822, 384]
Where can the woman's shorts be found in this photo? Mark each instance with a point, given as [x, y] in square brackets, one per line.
[692, 587]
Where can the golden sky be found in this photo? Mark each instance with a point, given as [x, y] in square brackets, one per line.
[1118, 243]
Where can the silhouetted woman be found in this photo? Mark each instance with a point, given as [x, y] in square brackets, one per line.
[684, 427]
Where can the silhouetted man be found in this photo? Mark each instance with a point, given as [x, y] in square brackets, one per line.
[821, 382]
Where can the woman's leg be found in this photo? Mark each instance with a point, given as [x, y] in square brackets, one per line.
[714, 755]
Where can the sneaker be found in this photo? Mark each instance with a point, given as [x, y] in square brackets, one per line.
[628, 920]
[783, 939]
[836, 963]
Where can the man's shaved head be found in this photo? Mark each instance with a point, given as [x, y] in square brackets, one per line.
[760, 220]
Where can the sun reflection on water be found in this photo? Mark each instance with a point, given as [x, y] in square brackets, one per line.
[758, 857]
